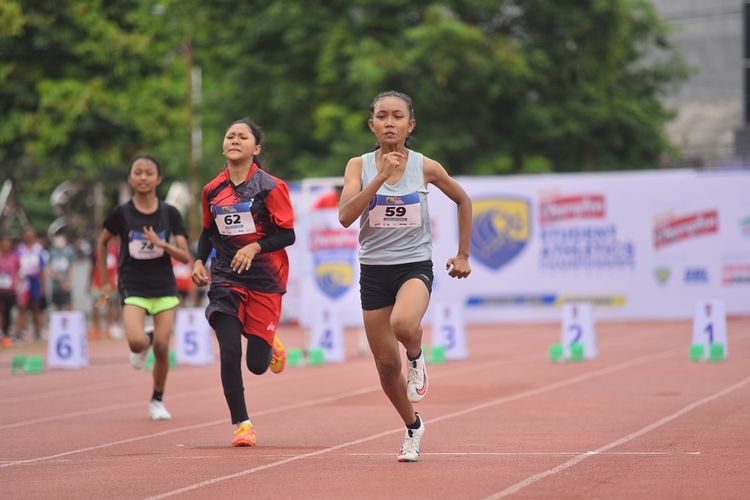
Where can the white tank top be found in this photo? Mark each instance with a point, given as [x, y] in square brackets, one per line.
[395, 228]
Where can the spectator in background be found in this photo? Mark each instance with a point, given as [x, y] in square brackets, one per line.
[186, 289]
[112, 311]
[9, 267]
[60, 270]
[31, 255]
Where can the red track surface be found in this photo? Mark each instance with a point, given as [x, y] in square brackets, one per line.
[640, 421]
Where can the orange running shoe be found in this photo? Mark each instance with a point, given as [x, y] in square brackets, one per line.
[278, 362]
[7, 342]
[244, 435]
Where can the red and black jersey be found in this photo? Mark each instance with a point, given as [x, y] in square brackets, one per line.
[238, 215]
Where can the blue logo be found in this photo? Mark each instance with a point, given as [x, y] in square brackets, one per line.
[334, 271]
[696, 275]
[500, 230]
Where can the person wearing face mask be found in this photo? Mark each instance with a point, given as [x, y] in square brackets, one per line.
[248, 221]
[60, 269]
[386, 190]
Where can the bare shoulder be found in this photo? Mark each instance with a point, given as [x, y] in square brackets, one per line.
[433, 171]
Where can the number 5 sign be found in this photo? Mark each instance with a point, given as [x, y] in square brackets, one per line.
[67, 347]
[193, 337]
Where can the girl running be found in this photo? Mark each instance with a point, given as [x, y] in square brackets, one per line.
[387, 190]
[146, 283]
[247, 220]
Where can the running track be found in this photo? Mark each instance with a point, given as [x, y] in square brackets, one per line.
[640, 421]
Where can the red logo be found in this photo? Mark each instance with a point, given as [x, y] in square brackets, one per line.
[563, 208]
[674, 230]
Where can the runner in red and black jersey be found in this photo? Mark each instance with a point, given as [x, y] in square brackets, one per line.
[247, 220]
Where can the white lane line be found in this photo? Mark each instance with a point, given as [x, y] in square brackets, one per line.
[583, 456]
[191, 395]
[488, 404]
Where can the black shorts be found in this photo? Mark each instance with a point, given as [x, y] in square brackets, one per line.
[378, 285]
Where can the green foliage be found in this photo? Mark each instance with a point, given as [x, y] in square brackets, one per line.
[498, 86]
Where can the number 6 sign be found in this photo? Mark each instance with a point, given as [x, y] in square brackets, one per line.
[67, 347]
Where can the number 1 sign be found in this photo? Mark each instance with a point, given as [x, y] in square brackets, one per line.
[710, 325]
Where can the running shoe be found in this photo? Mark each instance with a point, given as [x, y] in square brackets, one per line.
[138, 359]
[409, 451]
[278, 362]
[244, 435]
[416, 379]
[157, 411]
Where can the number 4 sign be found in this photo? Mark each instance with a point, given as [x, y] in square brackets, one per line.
[67, 347]
[578, 327]
[710, 325]
[327, 333]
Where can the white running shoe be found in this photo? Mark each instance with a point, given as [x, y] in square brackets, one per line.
[416, 379]
[409, 451]
[157, 411]
[138, 359]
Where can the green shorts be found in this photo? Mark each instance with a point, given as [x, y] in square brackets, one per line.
[154, 305]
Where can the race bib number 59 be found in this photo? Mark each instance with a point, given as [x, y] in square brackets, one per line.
[395, 211]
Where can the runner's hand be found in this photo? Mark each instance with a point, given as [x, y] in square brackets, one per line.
[458, 267]
[199, 275]
[243, 259]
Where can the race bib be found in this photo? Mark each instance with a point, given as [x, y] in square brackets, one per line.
[30, 264]
[395, 211]
[6, 281]
[60, 264]
[232, 220]
[142, 249]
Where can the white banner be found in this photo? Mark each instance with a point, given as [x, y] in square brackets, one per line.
[636, 245]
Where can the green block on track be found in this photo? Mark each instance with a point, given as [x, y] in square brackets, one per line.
[17, 363]
[556, 352]
[34, 364]
[576, 352]
[716, 352]
[437, 355]
[316, 357]
[697, 352]
[150, 360]
[294, 357]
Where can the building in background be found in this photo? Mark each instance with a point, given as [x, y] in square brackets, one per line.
[709, 35]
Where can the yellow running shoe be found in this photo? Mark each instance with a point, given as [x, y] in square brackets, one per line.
[244, 435]
[278, 362]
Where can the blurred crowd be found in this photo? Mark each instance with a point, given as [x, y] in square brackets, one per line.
[39, 275]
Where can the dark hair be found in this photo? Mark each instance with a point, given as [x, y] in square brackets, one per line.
[254, 129]
[145, 157]
[398, 95]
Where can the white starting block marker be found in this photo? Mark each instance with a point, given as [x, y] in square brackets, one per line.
[67, 346]
[327, 333]
[448, 331]
[193, 342]
[710, 326]
[578, 328]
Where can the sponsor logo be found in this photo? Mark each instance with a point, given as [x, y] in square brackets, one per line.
[334, 277]
[745, 226]
[675, 230]
[565, 208]
[574, 247]
[696, 275]
[662, 275]
[394, 200]
[736, 274]
[543, 300]
[500, 230]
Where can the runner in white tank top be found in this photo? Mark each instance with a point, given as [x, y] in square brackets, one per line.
[386, 190]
